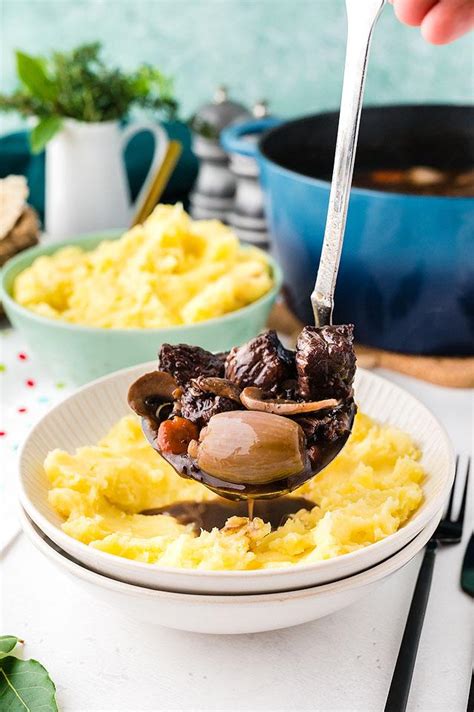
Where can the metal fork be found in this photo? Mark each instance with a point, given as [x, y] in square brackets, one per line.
[449, 531]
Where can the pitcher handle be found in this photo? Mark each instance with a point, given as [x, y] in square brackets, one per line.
[233, 138]
[161, 145]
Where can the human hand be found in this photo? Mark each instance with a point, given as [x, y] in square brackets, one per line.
[441, 21]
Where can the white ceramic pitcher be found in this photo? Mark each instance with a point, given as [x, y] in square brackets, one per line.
[86, 182]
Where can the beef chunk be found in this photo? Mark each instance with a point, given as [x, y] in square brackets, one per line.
[262, 362]
[328, 426]
[185, 362]
[325, 362]
[288, 390]
[199, 406]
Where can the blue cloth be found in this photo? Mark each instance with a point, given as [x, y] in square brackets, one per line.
[15, 157]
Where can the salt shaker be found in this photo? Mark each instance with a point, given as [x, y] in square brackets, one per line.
[213, 192]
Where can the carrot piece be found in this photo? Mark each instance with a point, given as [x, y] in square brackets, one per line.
[175, 435]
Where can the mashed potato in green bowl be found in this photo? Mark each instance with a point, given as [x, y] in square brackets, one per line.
[99, 303]
[169, 271]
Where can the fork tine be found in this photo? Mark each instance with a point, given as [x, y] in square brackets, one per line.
[460, 518]
[451, 496]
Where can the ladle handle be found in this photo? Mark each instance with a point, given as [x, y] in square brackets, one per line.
[361, 18]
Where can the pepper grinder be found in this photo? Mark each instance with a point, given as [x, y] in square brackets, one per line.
[213, 192]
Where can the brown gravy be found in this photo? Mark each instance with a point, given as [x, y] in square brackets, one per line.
[207, 515]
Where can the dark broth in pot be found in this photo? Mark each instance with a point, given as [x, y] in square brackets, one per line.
[418, 180]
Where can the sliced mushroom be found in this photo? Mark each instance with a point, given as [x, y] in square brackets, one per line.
[424, 175]
[247, 447]
[252, 398]
[151, 390]
[218, 386]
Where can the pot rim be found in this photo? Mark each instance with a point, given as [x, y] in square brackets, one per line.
[362, 192]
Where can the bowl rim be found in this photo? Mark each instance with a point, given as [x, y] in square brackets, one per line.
[32, 253]
[46, 526]
[65, 560]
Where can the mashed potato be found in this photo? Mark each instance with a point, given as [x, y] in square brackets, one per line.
[364, 495]
[169, 271]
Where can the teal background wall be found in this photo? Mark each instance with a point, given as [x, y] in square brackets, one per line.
[288, 51]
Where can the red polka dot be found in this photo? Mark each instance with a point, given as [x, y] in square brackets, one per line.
[22, 356]
[2, 433]
[22, 410]
[30, 383]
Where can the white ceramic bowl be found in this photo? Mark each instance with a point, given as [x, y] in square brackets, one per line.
[84, 417]
[253, 613]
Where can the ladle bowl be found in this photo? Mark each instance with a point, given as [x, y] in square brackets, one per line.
[184, 466]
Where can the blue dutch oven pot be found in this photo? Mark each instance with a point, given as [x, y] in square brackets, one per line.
[407, 271]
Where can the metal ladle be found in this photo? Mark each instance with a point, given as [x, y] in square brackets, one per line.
[362, 15]
[361, 18]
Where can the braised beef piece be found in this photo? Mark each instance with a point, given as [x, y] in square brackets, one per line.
[329, 426]
[288, 390]
[185, 362]
[325, 362]
[198, 405]
[262, 362]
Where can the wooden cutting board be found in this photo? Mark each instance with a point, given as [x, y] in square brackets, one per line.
[452, 372]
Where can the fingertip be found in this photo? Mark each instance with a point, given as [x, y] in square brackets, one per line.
[434, 38]
[433, 35]
[411, 13]
[441, 25]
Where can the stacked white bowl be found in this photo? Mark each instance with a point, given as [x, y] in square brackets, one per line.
[226, 601]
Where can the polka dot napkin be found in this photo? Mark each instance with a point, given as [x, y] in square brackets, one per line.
[27, 391]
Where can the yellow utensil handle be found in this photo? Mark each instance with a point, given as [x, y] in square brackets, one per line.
[159, 182]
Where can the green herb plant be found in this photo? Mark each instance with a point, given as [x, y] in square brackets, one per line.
[80, 85]
[25, 685]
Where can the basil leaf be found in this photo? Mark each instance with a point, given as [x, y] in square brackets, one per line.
[44, 130]
[7, 644]
[32, 73]
[25, 686]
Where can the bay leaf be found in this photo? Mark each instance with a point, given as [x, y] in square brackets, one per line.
[7, 644]
[25, 686]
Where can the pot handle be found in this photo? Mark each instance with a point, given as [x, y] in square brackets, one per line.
[233, 138]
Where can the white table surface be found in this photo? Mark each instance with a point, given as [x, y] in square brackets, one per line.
[102, 661]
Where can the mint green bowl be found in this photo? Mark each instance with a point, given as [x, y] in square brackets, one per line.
[78, 354]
